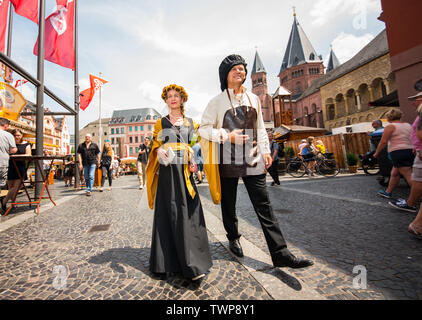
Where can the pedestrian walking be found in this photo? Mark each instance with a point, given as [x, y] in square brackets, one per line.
[143, 156]
[410, 204]
[273, 170]
[69, 171]
[179, 235]
[13, 176]
[89, 160]
[415, 227]
[397, 135]
[7, 147]
[199, 161]
[46, 164]
[115, 166]
[105, 165]
[233, 120]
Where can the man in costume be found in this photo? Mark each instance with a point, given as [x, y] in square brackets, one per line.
[235, 145]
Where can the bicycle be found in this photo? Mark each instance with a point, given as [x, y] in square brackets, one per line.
[324, 166]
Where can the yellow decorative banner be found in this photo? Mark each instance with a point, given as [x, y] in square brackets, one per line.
[11, 102]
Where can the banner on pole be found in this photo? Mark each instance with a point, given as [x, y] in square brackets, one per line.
[59, 35]
[4, 11]
[27, 9]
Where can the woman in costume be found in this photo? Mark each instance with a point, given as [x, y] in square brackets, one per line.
[179, 236]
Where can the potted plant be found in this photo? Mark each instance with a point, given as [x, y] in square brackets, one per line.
[352, 162]
[289, 153]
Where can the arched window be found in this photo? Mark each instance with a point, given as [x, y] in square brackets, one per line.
[312, 57]
[299, 88]
[148, 117]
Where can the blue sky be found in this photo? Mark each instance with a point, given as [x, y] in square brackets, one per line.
[141, 46]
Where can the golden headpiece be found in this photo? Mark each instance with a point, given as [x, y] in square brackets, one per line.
[179, 89]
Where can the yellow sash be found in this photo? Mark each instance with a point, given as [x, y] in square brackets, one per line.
[176, 146]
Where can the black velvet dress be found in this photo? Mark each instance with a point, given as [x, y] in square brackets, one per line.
[12, 174]
[179, 235]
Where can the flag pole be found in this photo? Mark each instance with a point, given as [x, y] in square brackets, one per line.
[40, 96]
[100, 129]
[76, 74]
[9, 31]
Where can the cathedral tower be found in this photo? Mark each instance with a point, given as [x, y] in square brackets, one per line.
[301, 64]
[260, 88]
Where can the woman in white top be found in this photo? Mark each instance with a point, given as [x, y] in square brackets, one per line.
[397, 135]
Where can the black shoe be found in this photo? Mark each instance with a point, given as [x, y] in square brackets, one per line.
[272, 184]
[289, 260]
[236, 248]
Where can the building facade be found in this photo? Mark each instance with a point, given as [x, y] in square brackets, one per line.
[128, 129]
[56, 131]
[93, 129]
[402, 20]
[346, 92]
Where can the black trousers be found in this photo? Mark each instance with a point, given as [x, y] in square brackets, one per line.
[107, 171]
[273, 171]
[258, 194]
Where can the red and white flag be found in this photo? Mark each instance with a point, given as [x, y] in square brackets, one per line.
[59, 35]
[96, 83]
[20, 83]
[4, 11]
[27, 9]
[86, 96]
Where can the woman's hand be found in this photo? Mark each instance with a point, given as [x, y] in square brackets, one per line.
[162, 155]
[376, 154]
[268, 161]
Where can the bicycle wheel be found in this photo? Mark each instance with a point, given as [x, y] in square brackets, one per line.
[371, 169]
[296, 168]
[328, 168]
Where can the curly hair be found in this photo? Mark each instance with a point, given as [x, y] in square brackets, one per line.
[179, 89]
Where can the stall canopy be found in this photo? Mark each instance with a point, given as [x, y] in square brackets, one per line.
[391, 100]
[289, 133]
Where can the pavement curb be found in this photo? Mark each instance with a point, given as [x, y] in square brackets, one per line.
[279, 284]
[31, 213]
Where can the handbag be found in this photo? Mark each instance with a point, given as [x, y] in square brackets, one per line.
[193, 167]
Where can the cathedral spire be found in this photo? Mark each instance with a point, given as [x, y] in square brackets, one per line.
[299, 49]
[258, 66]
[333, 62]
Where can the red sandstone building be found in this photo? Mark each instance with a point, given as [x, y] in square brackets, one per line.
[300, 67]
[403, 25]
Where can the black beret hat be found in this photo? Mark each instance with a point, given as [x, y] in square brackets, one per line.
[225, 67]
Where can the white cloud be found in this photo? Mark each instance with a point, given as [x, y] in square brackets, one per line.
[28, 93]
[325, 11]
[345, 46]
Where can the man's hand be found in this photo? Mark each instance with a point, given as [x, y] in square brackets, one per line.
[81, 167]
[236, 137]
[268, 160]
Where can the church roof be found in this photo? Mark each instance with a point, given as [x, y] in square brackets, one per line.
[258, 66]
[299, 49]
[333, 62]
[378, 47]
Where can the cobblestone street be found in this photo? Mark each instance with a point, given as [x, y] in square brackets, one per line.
[339, 223]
